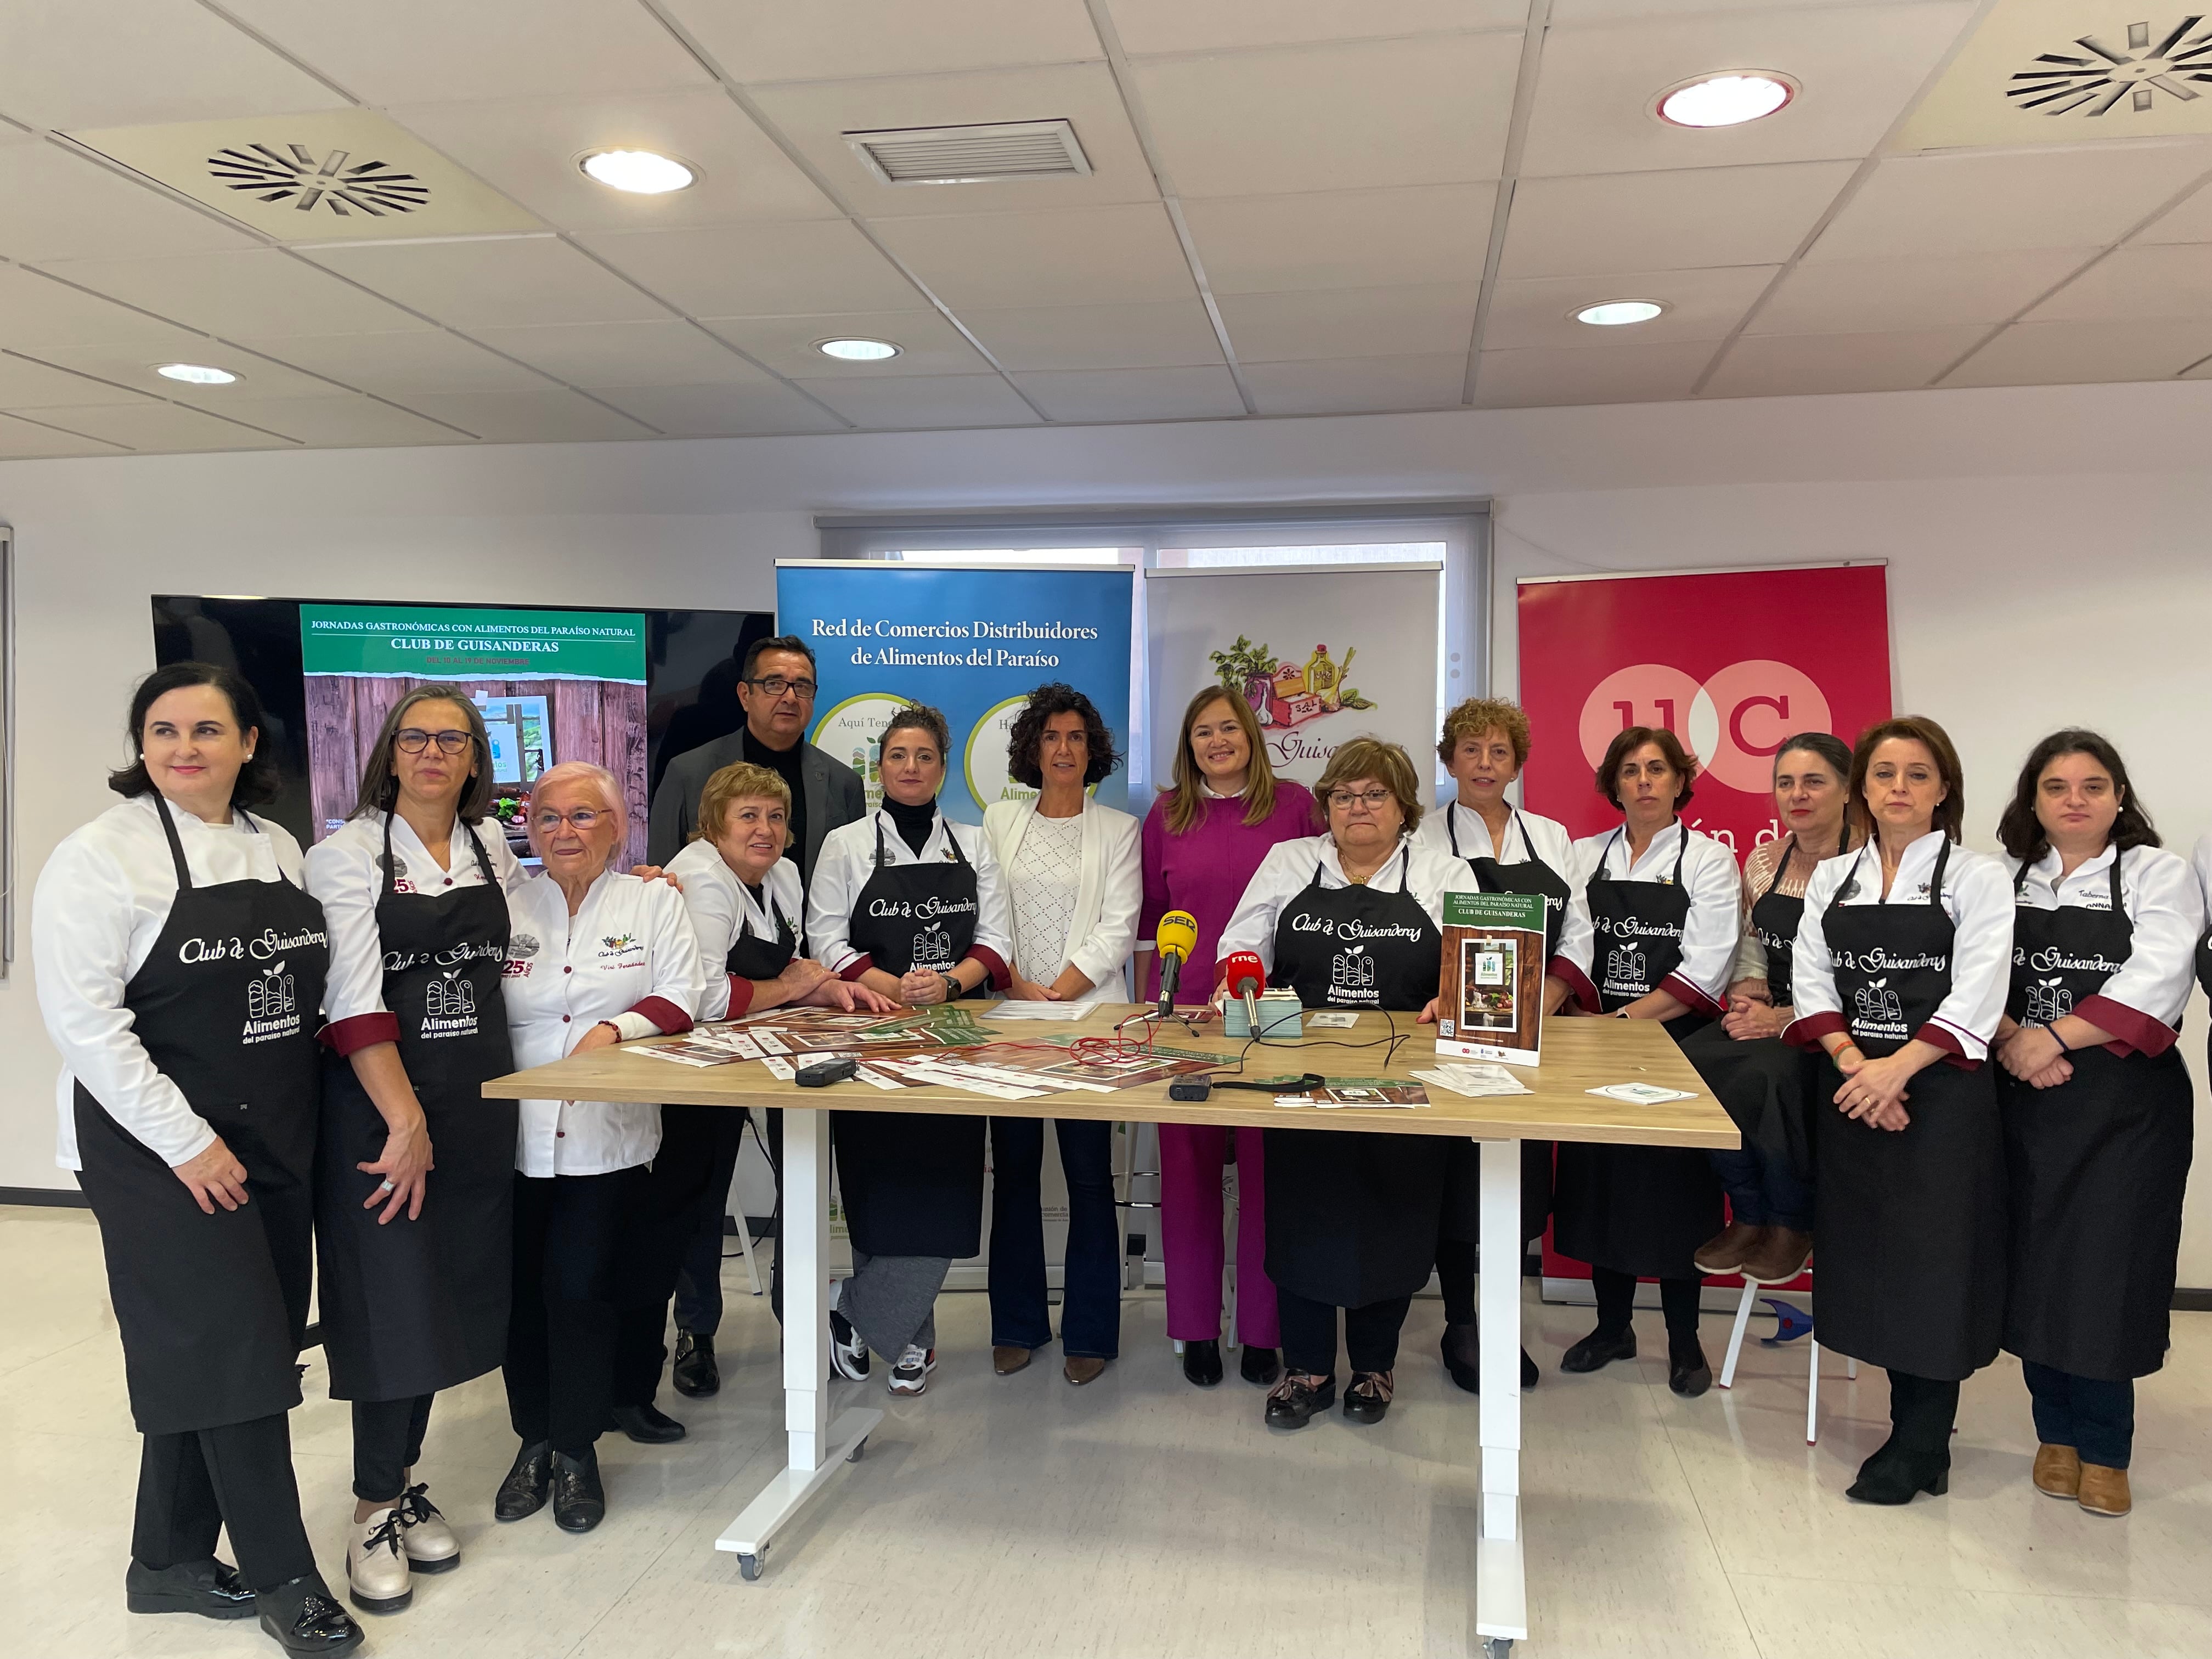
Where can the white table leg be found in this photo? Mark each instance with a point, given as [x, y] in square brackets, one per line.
[817, 1446]
[1501, 1603]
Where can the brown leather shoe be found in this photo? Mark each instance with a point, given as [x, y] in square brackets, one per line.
[1007, 1361]
[2104, 1491]
[1724, 1252]
[2058, 1471]
[1779, 1257]
[1082, 1368]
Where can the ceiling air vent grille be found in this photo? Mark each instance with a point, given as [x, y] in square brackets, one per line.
[2099, 77]
[971, 154]
[331, 181]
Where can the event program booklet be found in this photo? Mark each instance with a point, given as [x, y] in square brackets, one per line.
[1339, 1091]
[1491, 1002]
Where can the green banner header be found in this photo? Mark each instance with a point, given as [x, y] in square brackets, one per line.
[1495, 910]
[425, 643]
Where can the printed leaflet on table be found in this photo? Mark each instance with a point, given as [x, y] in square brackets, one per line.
[1490, 1005]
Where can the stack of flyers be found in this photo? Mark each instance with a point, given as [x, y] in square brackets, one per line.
[1340, 1091]
[969, 1080]
[1474, 1080]
[1640, 1094]
[708, 1045]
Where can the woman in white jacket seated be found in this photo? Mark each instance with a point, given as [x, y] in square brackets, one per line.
[1075, 883]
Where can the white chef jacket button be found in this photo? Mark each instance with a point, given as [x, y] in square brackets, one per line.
[564, 1019]
[449, 881]
[568, 970]
[560, 1134]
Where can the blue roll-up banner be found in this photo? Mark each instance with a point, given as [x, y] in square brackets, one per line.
[972, 643]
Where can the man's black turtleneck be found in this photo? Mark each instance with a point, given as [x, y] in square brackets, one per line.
[913, 823]
[785, 763]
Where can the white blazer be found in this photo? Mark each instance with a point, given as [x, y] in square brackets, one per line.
[1108, 892]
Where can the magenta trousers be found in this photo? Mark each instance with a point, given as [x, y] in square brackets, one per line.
[1191, 1162]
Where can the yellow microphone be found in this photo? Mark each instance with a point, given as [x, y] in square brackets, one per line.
[1175, 937]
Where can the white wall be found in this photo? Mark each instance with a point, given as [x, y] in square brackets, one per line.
[2047, 550]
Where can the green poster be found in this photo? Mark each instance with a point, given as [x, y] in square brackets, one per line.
[1495, 910]
[439, 643]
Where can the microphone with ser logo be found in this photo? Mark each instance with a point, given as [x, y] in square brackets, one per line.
[1174, 940]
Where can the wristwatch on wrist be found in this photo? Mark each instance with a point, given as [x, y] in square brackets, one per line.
[953, 989]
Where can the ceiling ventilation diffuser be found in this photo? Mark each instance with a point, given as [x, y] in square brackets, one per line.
[971, 154]
[305, 181]
[2094, 76]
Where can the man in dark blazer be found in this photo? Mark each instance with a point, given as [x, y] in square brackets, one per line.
[776, 689]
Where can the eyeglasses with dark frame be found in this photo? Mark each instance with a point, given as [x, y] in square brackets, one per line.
[1345, 799]
[413, 740]
[776, 686]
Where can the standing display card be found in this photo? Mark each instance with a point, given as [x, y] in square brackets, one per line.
[1491, 1003]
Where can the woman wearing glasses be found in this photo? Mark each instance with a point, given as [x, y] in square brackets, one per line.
[414, 1269]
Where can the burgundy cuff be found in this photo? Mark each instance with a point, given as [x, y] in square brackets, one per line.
[993, 964]
[346, 1037]
[858, 966]
[1954, 1052]
[672, 1019]
[1807, 1033]
[1576, 981]
[2135, 1032]
[741, 996]
[1683, 991]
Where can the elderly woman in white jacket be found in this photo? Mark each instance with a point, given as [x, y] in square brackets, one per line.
[1074, 879]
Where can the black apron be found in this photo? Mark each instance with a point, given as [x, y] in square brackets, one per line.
[2097, 1164]
[912, 1184]
[1462, 1213]
[1910, 1238]
[411, 1307]
[1641, 1210]
[213, 1308]
[1351, 1217]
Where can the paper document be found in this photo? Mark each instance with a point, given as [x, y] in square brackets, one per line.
[1474, 1080]
[1641, 1094]
[1331, 1019]
[1014, 1010]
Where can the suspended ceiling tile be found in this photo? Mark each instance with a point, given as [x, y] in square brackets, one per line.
[506, 282]
[400, 364]
[1786, 365]
[1687, 221]
[28, 383]
[2058, 354]
[58, 206]
[1544, 377]
[1357, 386]
[1069, 256]
[1857, 68]
[839, 39]
[926, 400]
[1593, 11]
[1135, 394]
[1532, 311]
[1879, 296]
[68, 64]
[815, 115]
[1429, 111]
[1160, 26]
[259, 376]
[533, 151]
[593, 354]
[2190, 221]
[1342, 239]
[758, 270]
[2173, 281]
[1160, 334]
[709, 412]
[1367, 322]
[256, 291]
[529, 417]
[1989, 201]
[928, 343]
[154, 426]
[38, 314]
[404, 51]
[342, 422]
[28, 439]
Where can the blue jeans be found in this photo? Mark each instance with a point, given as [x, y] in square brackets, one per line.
[2097, 1419]
[1090, 1306]
[1763, 1190]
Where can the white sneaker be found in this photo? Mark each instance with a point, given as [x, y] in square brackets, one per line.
[376, 1562]
[428, 1541]
[911, 1374]
[848, 1349]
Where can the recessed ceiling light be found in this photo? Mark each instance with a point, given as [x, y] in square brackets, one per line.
[1725, 100]
[195, 374]
[857, 351]
[640, 171]
[1612, 313]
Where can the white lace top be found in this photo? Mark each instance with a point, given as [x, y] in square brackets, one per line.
[1047, 869]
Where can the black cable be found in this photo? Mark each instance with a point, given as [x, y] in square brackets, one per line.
[1391, 1044]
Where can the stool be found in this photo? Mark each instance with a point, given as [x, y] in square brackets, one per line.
[1783, 1312]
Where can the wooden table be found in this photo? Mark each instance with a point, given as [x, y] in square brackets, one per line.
[1579, 1054]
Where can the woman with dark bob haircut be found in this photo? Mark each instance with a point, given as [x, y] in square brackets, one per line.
[2096, 1104]
[180, 964]
[1075, 883]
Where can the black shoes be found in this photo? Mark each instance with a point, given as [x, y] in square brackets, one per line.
[848, 1349]
[1462, 1354]
[648, 1425]
[1367, 1399]
[1687, 1373]
[1259, 1366]
[523, 1491]
[209, 1588]
[1895, 1475]
[1293, 1402]
[578, 1502]
[303, 1618]
[1201, 1362]
[1599, 1349]
[695, 1373]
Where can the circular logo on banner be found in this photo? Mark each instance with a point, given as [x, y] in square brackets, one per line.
[984, 762]
[1733, 723]
[853, 731]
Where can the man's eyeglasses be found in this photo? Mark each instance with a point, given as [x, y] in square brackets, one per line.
[776, 686]
[1344, 800]
[581, 819]
[413, 740]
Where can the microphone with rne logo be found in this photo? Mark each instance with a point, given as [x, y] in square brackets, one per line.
[1175, 938]
[1244, 976]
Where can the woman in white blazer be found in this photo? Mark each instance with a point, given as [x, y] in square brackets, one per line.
[1075, 882]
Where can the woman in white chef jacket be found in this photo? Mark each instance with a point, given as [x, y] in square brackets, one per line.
[1657, 942]
[1075, 883]
[1899, 974]
[180, 962]
[595, 958]
[2098, 1114]
[913, 905]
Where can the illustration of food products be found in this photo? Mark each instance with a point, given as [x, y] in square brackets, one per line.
[1284, 693]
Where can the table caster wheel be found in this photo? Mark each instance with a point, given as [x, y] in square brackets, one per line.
[853, 1456]
[1496, 1647]
[749, 1566]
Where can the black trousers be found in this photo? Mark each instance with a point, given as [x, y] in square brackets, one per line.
[191, 1485]
[1370, 1334]
[1616, 1302]
[570, 1233]
[387, 1442]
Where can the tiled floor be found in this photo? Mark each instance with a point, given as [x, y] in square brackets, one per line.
[1144, 1518]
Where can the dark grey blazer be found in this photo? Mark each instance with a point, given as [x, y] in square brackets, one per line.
[834, 796]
